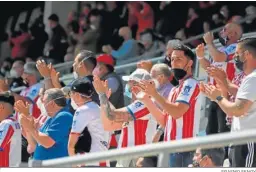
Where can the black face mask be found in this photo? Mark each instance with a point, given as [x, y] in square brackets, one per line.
[223, 41]
[179, 74]
[239, 64]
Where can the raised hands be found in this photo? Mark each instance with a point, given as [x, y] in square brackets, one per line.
[101, 87]
[3, 85]
[147, 65]
[22, 107]
[208, 38]
[43, 68]
[200, 50]
[210, 91]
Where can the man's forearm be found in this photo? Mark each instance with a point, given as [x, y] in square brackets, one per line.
[204, 63]
[105, 105]
[48, 83]
[232, 88]
[216, 54]
[40, 139]
[230, 108]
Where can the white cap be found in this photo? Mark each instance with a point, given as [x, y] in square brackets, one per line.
[137, 75]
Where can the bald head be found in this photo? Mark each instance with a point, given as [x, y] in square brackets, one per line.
[125, 32]
[235, 29]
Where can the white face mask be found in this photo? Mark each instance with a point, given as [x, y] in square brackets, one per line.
[75, 75]
[140, 95]
[41, 107]
[74, 105]
[14, 74]
[157, 84]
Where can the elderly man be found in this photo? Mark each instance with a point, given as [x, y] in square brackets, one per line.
[127, 50]
[16, 73]
[10, 134]
[51, 140]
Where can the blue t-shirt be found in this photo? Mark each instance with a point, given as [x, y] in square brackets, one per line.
[58, 128]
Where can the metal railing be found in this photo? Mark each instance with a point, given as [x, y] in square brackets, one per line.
[163, 149]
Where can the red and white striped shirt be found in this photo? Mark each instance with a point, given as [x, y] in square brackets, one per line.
[32, 93]
[228, 65]
[188, 125]
[10, 143]
[141, 130]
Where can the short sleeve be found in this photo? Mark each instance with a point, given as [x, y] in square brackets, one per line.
[60, 127]
[247, 89]
[80, 120]
[33, 93]
[189, 91]
[6, 133]
[137, 109]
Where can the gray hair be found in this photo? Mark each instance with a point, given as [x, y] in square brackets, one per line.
[30, 68]
[57, 95]
[217, 155]
[162, 68]
[173, 43]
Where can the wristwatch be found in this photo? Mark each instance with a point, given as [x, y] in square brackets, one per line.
[219, 98]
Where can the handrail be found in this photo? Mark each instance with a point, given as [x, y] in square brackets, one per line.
[184, 145]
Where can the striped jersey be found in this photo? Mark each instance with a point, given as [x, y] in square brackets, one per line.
[228, 65]
[10, 143]
[32, 93]
[188, 125]
[139, 131]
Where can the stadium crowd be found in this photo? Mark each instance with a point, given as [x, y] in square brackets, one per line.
[50, 120]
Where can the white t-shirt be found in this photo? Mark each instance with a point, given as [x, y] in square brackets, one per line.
[88, 115]
[246, 91]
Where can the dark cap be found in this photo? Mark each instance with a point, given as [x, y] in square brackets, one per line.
[83, 86]
[53, 17]
[7, 98]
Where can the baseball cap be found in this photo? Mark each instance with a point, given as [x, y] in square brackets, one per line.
[7, 99]
[82, 86]
[138, 74]
[106, 59]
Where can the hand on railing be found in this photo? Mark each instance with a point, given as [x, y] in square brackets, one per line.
[145, 64]
[43, 68]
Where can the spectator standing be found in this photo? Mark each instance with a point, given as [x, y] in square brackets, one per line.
[21, 42]
[249, 25]
[52, 139]
[181, 106]
[10, 138]
[243, 109]
[58, 39]
[16, 73]
[222, 58]
[87, 115]
[127, 50]
[6, 67]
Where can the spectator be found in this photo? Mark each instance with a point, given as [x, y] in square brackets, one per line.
[10, 140]
[73, 28]
[87, 115]
[21, 42]
[16, 73]
[51, 140]
[221, 58]
[6, 67]
[153, 45]
[180, 106]
[105, 70]
[58, 40]
[38, 40]
[145, 17]
[116, 119]
[83, 18]
[249, 25]
[209, 158]
[89, 40]
[243, 109]
[217, 20]
[83, 66]
[224, 11]
[128, 48]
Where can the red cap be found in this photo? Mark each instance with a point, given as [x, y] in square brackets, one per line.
[106, 59]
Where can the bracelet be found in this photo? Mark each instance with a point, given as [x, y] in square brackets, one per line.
[161, 130]
[199, 58]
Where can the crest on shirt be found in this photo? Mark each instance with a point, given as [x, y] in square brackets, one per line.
[186, 90]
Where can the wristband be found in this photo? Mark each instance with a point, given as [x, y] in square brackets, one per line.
[199, 58]
[219, 98]
[47, 78]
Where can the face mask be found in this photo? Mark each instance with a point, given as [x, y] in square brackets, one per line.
[157, 84]
[238, 63]
[75, 75]
[14, 74]
[179, 74]
[127, 91]
[140, 95]
[74, 105]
